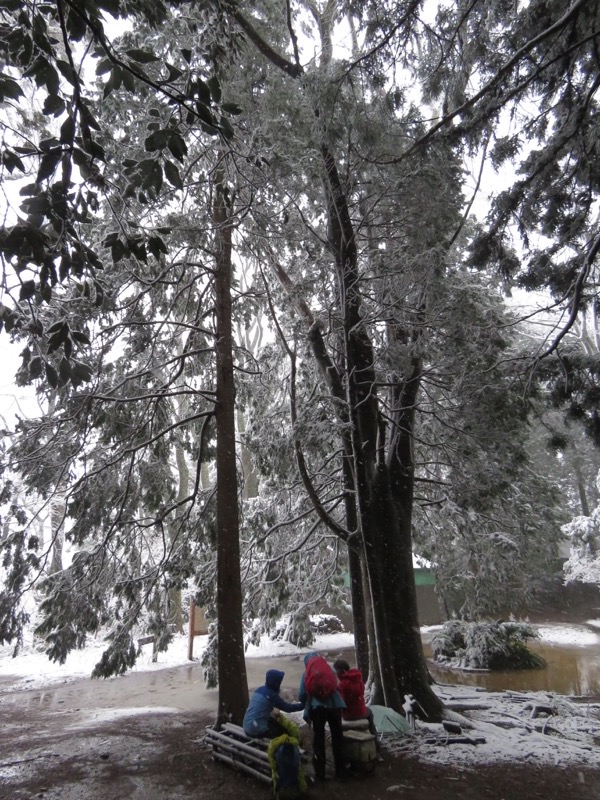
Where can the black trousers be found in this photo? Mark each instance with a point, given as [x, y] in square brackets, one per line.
[319, 717]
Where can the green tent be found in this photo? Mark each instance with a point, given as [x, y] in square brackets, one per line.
[389, 721]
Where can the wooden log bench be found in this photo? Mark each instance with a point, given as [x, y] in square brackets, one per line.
[231, 746]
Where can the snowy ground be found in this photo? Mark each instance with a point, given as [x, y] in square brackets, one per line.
[538, 727]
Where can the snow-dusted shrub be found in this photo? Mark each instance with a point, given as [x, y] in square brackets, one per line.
[209, 658]
[326, 623]
[583, 564]
[296, 629]
[448, 642]
[302, 629]
[486, 645]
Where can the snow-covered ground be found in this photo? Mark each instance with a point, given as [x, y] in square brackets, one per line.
[541, 727]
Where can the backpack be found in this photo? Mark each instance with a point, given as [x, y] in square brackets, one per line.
[287, 783]
[320, 681]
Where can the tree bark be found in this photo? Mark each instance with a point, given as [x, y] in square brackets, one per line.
[384, 520]
[385, 515]
[231, 665]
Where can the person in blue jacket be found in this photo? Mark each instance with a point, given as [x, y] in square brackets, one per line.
[259, 719]
[318, 713]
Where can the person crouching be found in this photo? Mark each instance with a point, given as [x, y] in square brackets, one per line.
[265, 704]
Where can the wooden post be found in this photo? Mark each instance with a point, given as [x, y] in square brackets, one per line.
[192, 628]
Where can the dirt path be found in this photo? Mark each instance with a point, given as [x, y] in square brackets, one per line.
[140, 737]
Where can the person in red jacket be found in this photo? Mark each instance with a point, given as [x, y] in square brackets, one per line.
[352, 688]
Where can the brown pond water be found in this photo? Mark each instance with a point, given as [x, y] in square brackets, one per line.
[571, 670]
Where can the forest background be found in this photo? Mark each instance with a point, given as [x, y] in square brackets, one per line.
[267, 333]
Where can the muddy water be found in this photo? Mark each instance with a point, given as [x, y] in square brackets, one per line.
[570, 671]
[177, 688]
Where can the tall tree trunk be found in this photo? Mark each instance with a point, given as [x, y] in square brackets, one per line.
[250, 475]
[231, 665]
[175, 599]
[359, 611]
[385, 520]
[585, 506]
[386, 533]
[411, 671]
[57, 518]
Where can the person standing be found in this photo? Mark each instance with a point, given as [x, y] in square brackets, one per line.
[260, 718]
[323, 707]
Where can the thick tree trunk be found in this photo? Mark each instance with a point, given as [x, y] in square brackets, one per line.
[57, 517]
[250, 475]
[359, 612]
[183, 473]
[231, 665]
[585, 506]
[385, 521]
[388, 550]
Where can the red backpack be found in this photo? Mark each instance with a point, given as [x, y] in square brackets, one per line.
[320, 680]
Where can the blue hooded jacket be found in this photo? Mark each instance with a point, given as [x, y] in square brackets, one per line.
[262, 703]
[335, 701]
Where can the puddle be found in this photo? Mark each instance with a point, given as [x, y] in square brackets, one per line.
[572, 669]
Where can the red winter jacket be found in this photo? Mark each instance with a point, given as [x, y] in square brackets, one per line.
[352, 689]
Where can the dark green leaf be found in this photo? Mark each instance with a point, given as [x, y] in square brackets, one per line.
[205, 114]
[80, 337]
[172, 175]
[65, 70]
[187, 54]
[87, 117]
[128, 80]
[27, 290]
[51, 376]
[80, 373]
[157, 140]
[48, 164]
[48, 144]
[12, 161]
[57, 326]
[35, 367]
[35, 67]
[231, 108]
[53, 105]
[76, 25]
[119, 251]
[227, 128]
[9, 89]
[48, 77]
[114, 82]
[177, 146]
[141, 56]
[104, 66]
[67, 130]
[156, 246]
[64, 369]
[54, 342]
[174, 73]
[201, 90]
[26, 356]
[215, 88]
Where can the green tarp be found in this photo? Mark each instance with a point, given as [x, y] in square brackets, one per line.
[389, 721]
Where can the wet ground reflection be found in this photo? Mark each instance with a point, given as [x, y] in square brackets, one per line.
[570, 671]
